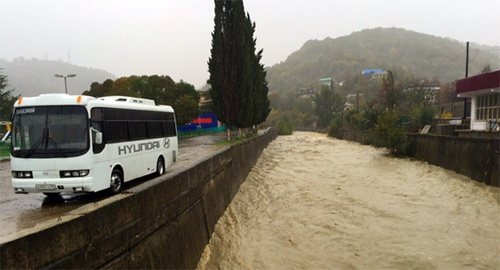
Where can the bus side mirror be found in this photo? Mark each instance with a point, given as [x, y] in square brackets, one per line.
[98, 137]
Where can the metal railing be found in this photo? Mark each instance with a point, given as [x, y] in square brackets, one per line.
[459, 123]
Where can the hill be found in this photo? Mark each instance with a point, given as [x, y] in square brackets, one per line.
[33, 77]
[398, 50]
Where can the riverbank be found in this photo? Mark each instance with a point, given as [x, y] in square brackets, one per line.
[313, 202]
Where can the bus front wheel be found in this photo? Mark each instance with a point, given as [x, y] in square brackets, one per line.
[116, 181]
[160, 167]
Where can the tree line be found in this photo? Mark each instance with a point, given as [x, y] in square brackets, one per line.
[182, 96]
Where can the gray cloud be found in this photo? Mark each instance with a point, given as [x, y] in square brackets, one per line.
[173, 37]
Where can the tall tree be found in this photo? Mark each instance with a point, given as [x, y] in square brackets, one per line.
[329, 104]
[6, 98]
[390, 94]
[224, 62]
[262, 102]
[254, 103]
[238, 85]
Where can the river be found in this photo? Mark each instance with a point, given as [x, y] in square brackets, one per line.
[320, 203]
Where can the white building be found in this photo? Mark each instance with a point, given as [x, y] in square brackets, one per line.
[484, 92]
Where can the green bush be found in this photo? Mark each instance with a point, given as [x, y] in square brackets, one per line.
[387, 133]
[335, 127]
[284, 128]
[421, 116]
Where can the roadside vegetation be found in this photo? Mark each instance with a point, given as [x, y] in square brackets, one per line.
[7, 98]
[6, 104]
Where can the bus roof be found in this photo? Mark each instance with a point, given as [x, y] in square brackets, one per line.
[53, 99]
[107, 102]
[134, 100]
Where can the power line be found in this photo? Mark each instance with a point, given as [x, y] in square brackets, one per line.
[447, 64]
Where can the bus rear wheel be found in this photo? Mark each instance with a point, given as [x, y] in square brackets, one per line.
[116, 182]
[160, 167]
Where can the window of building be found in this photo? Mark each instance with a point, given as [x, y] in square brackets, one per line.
[488, 107]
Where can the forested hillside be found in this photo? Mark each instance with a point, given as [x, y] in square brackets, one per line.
[406, 53]
[33, 77]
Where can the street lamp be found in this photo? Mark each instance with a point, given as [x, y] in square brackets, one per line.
[67, 76]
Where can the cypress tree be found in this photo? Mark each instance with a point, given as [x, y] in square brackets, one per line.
[256, 80]
[247, 87]
[262, 102]
[238, 80]
[224, 63]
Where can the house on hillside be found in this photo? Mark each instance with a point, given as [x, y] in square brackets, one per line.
[328, 82]
[306, 92]
[430, 89]
[374, 73]
[484, 92]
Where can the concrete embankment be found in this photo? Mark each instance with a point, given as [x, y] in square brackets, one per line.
[163, 223]
[477, 158]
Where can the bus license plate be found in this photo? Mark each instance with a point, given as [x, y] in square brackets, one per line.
[45, 187]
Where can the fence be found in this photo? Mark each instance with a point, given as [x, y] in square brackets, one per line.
[183, 134]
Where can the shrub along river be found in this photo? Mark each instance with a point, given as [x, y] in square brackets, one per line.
[317, 202]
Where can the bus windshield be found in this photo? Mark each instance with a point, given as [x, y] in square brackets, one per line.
[49, 132]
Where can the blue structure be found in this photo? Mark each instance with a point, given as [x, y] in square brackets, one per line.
[205, 120]
[371, 71]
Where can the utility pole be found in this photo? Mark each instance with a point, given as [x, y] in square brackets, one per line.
[466, 76]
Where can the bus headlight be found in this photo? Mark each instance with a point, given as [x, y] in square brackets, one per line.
[75, 173]
[22, 174]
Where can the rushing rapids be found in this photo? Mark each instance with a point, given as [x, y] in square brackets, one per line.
[315, 202]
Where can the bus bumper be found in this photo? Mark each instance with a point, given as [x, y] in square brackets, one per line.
[54, 185]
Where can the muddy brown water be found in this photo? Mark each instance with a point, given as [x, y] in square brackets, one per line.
[319, 203]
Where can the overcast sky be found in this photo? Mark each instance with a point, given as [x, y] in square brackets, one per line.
[173, 37]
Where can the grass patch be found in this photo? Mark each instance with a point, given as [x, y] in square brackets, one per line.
[4, 150]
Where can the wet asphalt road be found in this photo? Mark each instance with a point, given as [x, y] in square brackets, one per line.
[24, 211]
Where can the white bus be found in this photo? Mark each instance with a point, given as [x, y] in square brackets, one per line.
[68, 144]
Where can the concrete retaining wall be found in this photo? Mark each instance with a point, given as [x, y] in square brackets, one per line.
[476, 158]
[163, 223]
